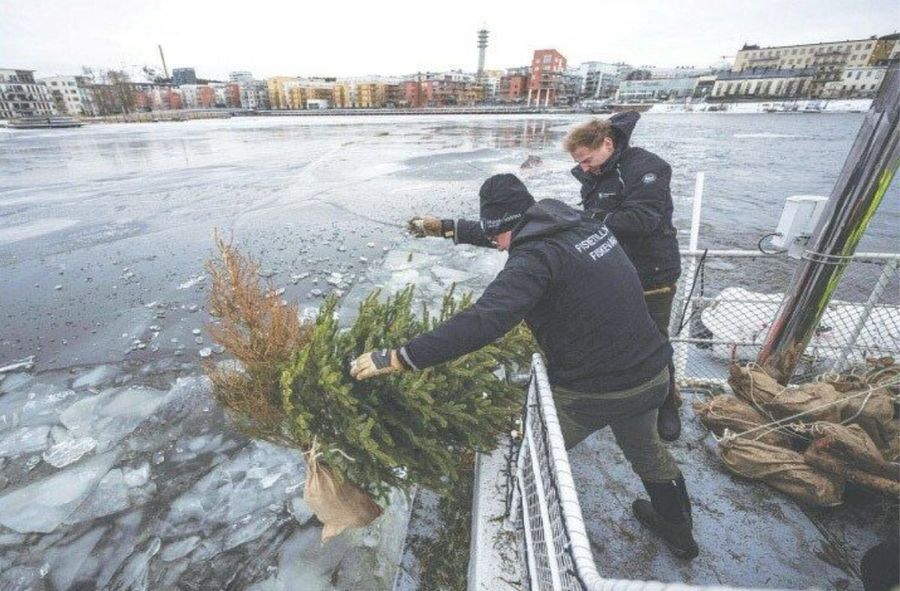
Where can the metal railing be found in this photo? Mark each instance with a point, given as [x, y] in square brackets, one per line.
[727, 299]
[545, 513]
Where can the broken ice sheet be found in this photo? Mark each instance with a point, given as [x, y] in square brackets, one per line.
[68, 452]
[43, 505]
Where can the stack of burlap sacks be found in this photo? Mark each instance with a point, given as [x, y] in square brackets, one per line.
[837, 430]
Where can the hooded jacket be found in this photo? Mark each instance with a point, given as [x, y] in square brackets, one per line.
[571, 282]
[631, 195]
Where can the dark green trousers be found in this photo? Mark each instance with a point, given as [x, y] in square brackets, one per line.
[659, 304]
[631, 414]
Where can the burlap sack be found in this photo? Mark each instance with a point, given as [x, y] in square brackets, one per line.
[338, 505]
[874, 412]
[729, 412]
[782, 469]
[820, 402]
[853, 445]
[753, 385]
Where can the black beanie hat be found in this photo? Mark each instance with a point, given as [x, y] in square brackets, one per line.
[503, 201]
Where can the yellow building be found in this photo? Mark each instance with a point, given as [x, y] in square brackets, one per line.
[279, 89]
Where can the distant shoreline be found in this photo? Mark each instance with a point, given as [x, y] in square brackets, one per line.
[804, 106]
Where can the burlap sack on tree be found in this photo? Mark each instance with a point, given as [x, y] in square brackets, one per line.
[782, 469]
[852, 444]
[338, 504]
[820, 402]
[729, 412]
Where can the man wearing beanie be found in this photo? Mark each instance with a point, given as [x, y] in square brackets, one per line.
[628, 188]
[573, 285]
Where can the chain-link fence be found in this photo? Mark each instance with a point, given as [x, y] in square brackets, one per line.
[727, 300]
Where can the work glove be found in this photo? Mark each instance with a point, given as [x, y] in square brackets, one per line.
[376, 363]
[428, 225]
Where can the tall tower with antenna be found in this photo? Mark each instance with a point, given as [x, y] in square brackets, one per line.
[482, 45]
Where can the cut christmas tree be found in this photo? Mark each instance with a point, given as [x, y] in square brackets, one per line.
[292, 387]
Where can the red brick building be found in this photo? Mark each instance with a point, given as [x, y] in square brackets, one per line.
[513, 87]
[206, 97]
[233, 95]
[547, 69]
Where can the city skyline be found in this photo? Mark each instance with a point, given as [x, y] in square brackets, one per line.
[40, 35]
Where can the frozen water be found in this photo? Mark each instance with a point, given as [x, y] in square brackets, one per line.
[97, 376]
[448, 276]
[111, 415]
[68, 451]
[186, 486]
[42, 506]
[24, 440]
[68, 560]
[179, 549]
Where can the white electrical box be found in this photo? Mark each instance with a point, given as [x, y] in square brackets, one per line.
[798, 220]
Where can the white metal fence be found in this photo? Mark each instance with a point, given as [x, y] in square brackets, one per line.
[727, 299]
[552, 540]
[723, 311]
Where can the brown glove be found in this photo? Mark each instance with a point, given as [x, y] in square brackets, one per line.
[428, 225]
[376, 363]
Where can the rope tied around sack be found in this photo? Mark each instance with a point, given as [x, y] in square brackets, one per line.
[784, 424]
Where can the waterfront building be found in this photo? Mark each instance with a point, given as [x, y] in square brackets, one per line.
[233, 95]
[206, 96]
[189, 95]
[514, 85]
[241, 77]
[764, 83]
[277, 87]
[599, 79]
[490, 80]
[181, 76]
[22, 96]
[254, 95]
[546, 83]
[856, 83]
[826, 61]
[656, 89]
[68, 95]
[220, 93]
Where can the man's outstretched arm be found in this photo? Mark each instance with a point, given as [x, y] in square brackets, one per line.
[461, 231]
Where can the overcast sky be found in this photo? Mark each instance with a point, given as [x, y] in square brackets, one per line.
[346, 38]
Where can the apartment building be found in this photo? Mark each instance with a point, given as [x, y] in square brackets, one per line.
[825, 62]
[514, 85]
[547, 82]
[22, 96]
[69, 94]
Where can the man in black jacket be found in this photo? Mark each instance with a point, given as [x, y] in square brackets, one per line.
[628, 189]
[571, 282]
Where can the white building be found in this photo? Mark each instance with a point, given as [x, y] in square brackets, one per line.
[241, 77]
[254, 95]
[21, 96]
[856, 83]
[599, 79]
[189, 95]
[221, 90]
[68, 95]
[657, 89]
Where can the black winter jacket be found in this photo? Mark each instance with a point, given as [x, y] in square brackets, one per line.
[572, 283]
[631, 195]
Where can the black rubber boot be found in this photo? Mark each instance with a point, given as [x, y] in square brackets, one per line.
[668, 513]
[668, 422]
